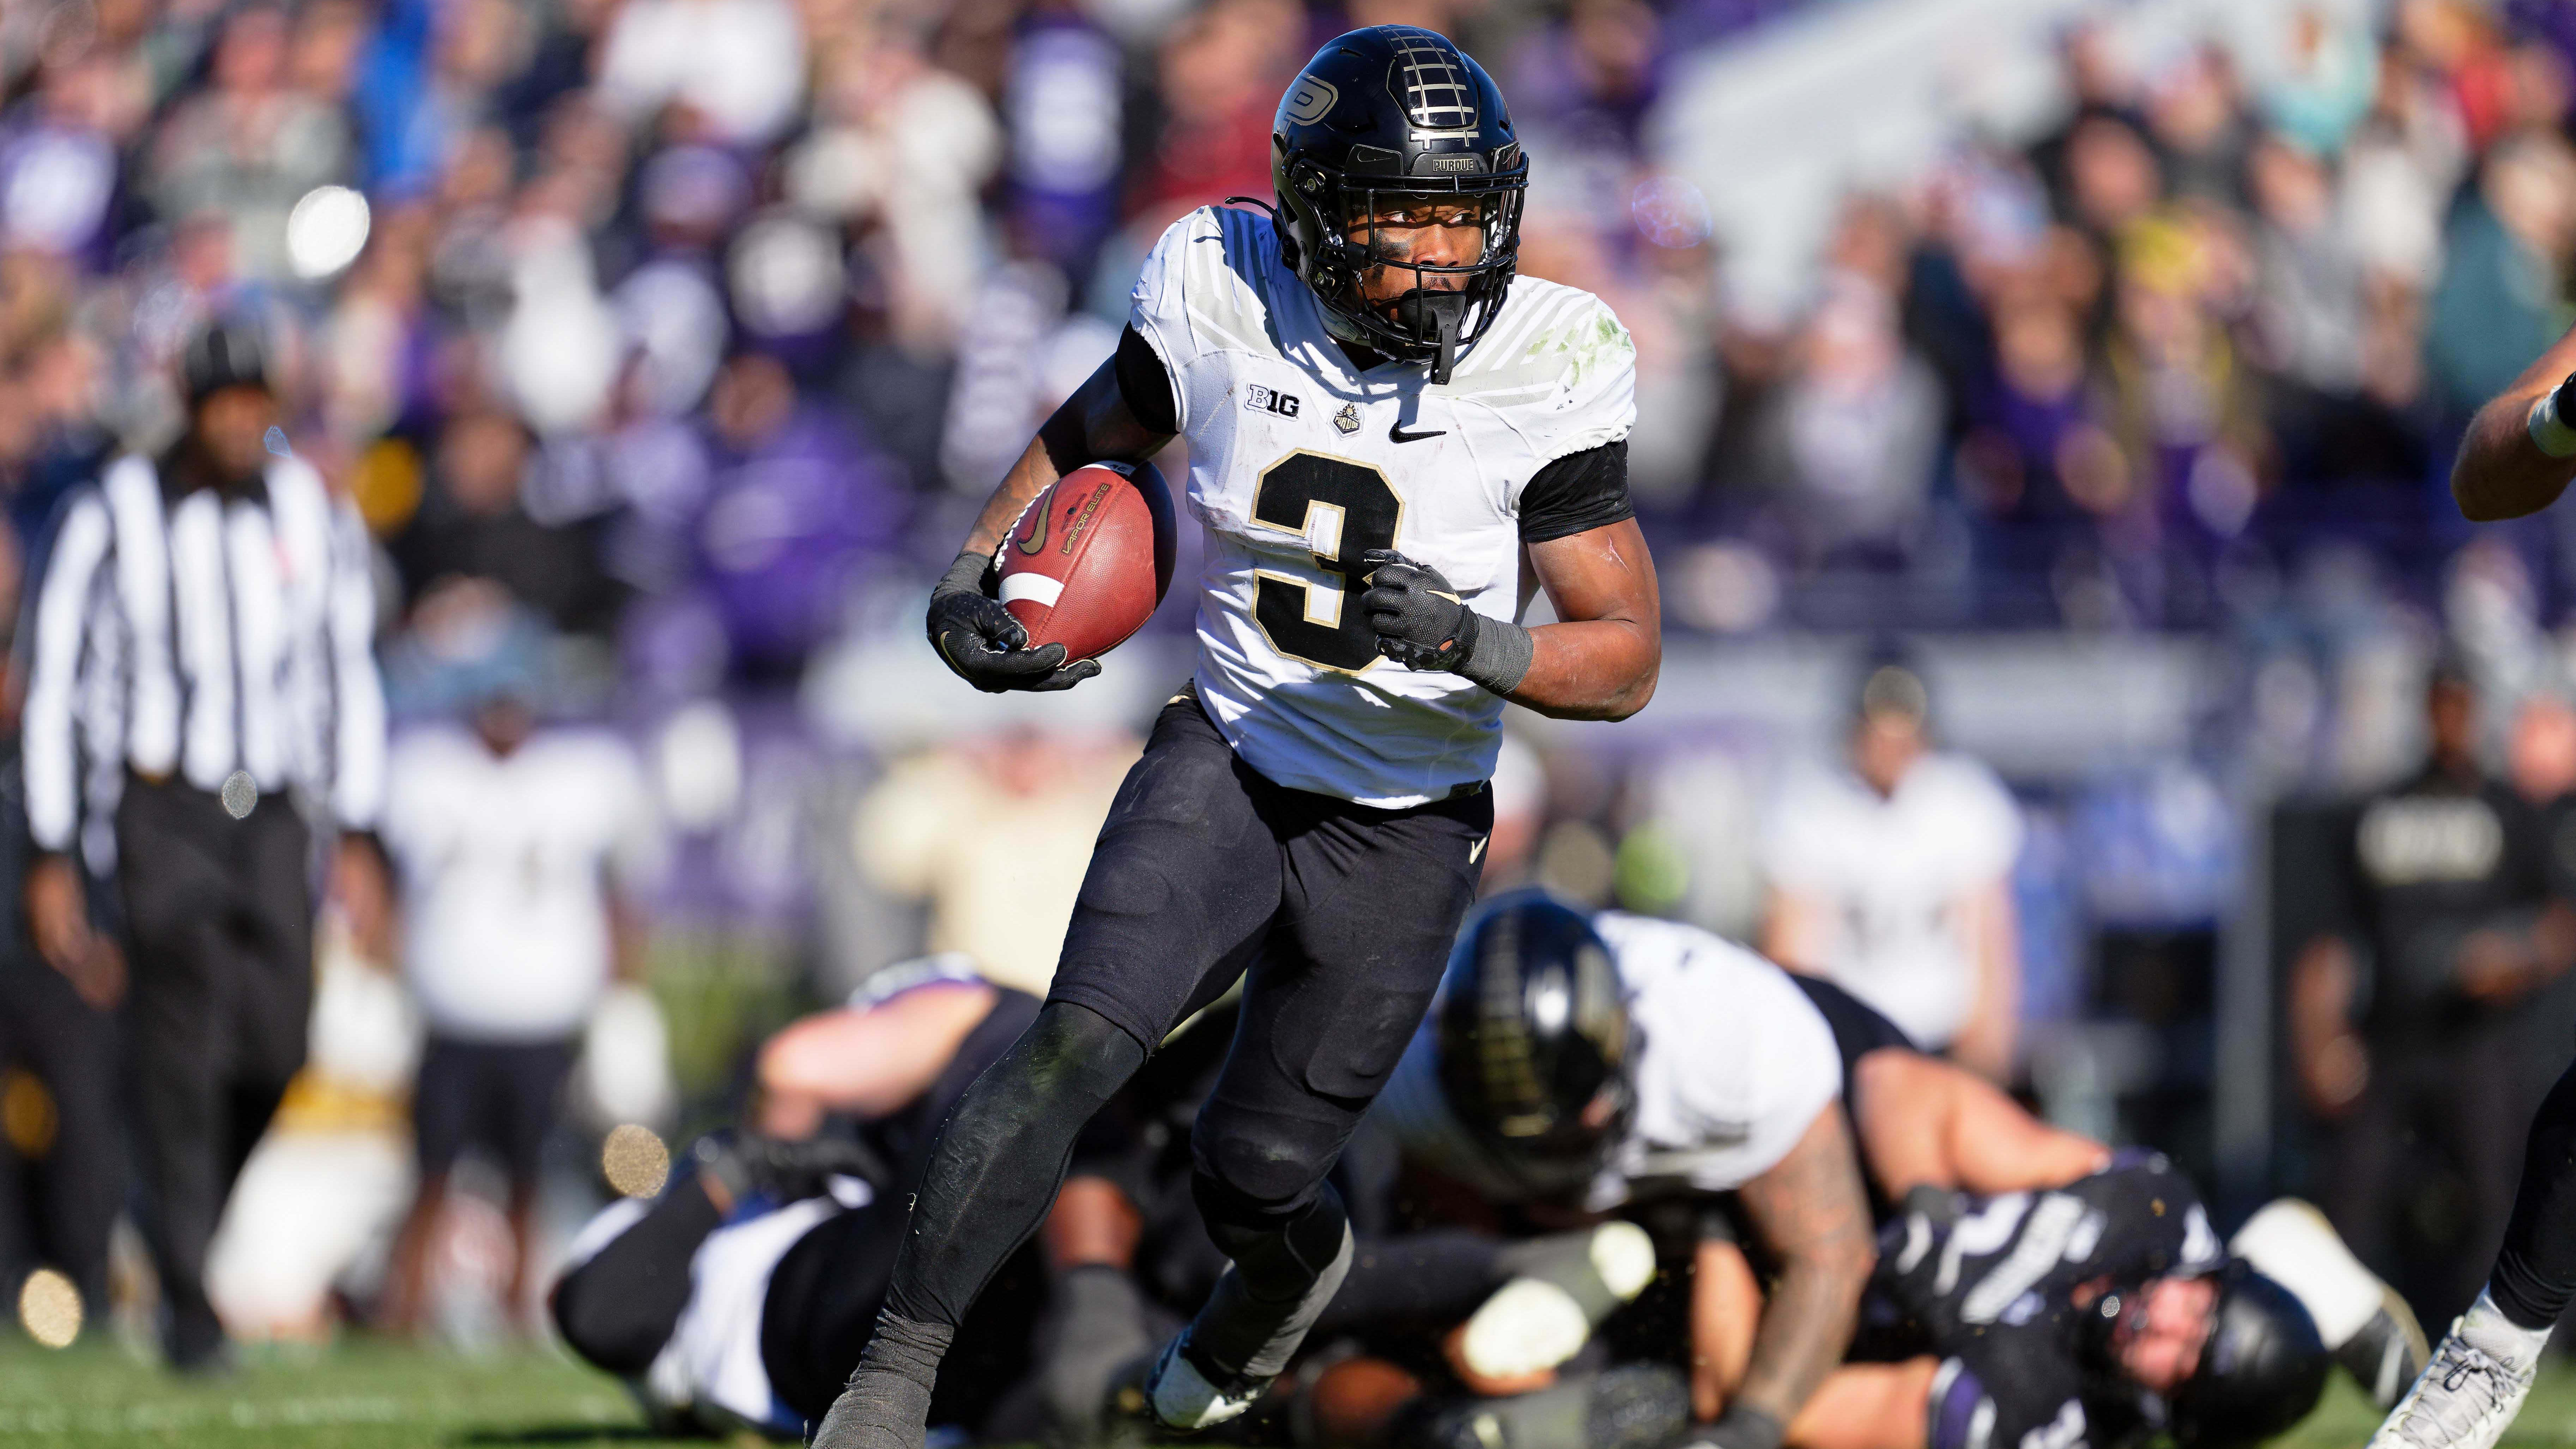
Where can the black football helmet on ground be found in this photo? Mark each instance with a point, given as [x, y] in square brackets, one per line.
[1383, 120]
[1536, 1050]
[2262, 1368]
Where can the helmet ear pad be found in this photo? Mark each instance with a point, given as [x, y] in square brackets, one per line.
[1536, 1050]
[2262, 1368]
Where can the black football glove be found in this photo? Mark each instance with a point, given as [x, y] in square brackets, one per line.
[1419, 621]
[984, 645]
[1422, 624]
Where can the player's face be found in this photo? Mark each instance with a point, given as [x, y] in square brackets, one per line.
[2160, 1339]
[1419, 231]
[1885, 744]
[233, 424]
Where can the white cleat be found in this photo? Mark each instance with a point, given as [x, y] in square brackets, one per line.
[2465, 1399]
[1183, 1401]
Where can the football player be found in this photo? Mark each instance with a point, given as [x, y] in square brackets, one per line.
[1613, 1061]
[1926, 1124]
[1382, 425]
[740, 1296]
[2518, 456]
[1532, 1083]
[2096, 1314]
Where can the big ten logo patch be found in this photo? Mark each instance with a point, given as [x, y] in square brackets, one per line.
[1262, 400]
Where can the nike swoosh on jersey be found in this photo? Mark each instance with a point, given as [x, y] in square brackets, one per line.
[1395, 433]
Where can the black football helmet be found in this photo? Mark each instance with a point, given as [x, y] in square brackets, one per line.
[224, 352]
[1536, 1050]
[1384, 120]
[2262, 1368]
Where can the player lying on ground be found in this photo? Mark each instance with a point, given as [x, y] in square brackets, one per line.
[737, 1298]
[2517, 458]
[2100, 1313]
[1922, 1122]
[1596, 1064]
[742, 1295]
[1381, 425]
[1926, 1127]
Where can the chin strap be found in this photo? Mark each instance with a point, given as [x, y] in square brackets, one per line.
[1448, 311]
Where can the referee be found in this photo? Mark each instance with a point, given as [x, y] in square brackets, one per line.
[201, 681]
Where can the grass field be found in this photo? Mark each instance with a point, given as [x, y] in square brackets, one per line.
[370, 1394]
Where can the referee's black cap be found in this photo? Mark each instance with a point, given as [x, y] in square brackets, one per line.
[225, 352]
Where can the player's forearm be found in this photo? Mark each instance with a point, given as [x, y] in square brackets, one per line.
[2502, 471]
[1869, 1406]
[1811, 1213]
[1093, 425]
[1805, 1328]
[1597, 669]
[1032, 475]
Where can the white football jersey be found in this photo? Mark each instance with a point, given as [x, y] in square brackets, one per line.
[1299, 464]
[1890, 873]
[1734, 1066]
[505, 862]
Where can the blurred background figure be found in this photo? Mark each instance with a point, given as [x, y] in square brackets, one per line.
[993, 836]
[205, 630]
[2114, 364]
[1888, 878]
[62, 1170]
[2404, 1014]
[515, 842]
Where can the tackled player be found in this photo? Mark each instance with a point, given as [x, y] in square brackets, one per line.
[1382, 423]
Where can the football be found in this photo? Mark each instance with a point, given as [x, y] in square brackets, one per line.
[1090, 558]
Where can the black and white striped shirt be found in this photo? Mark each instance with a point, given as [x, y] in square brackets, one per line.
[197, 634]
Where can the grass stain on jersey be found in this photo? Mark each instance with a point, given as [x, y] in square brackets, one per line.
[1586, 349]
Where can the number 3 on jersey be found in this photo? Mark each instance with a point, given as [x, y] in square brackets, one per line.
[1342, 509]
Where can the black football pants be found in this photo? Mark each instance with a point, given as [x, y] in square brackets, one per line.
[1337, 917]
[77, 1173]
[219, 946]
[2535, 1276]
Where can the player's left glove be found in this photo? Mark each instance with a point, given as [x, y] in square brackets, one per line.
[1421, 624]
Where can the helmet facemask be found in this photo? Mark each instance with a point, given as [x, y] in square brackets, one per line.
[1365, 228]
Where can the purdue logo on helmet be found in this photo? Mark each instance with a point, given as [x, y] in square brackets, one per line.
[1535, 1046]
[1384, 120]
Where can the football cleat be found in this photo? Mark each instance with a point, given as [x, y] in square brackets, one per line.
[1184, 1399]
[2464, 1399]
[2388, 1353]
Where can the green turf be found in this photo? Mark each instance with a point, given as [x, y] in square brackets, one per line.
[371, 1394]
[359, 1393]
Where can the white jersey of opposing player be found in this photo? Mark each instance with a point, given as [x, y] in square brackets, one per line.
[1735, 1065]
[1299, 464]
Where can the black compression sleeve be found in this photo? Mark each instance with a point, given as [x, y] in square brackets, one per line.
[1576, 493]
[1146, 384]
[2535, 1275]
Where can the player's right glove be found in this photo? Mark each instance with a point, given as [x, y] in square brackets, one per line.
[980, 641]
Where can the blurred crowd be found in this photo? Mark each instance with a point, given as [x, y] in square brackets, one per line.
[666, 347]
